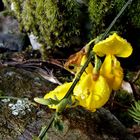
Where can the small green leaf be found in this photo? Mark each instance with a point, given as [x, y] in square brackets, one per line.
[58, 124]
[135, 111]
[45, 101]
[62, 105]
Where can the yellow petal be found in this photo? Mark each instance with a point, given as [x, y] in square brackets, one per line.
[112, 71]
[89, 68]
[114, 45]
[99, 95]
[83, 87]
[58, 93]
[92, 94]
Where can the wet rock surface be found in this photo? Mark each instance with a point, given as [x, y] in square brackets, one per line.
[20, 119]
[12, 42]
[11, 38]
[78, 122]
[8, 24]
[22, 83]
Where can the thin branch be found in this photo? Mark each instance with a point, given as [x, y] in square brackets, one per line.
[91, 54]
[70, 91]
[42, 134]
[79, 75]
[116, 18]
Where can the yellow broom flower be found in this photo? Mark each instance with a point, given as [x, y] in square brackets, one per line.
[58, 93]
[113, 45]
[92, 94]
[111, 69]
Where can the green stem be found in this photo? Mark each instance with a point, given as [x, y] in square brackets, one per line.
[115, 19]
[42, 134]
[97, 64]
[91, 54]
[70, 91]
[79, 75]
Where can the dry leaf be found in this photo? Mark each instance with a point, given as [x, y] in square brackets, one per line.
[74, 61]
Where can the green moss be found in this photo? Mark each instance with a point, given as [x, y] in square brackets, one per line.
[134, 14]
[102, 12]
[58, 23]
[6, 3]
[98, 9]
[133, 11]
[54, 22]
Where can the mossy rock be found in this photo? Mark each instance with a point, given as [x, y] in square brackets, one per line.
[70, 23]
[102, 12]
[22, 83]
[55, 23]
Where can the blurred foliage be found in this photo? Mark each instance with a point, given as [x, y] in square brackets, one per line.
[124, 97]
[72, 23]
[102, 12]
[58, 123]
[55, 23]
[121, 102]
[98, 10]
[135, 111]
